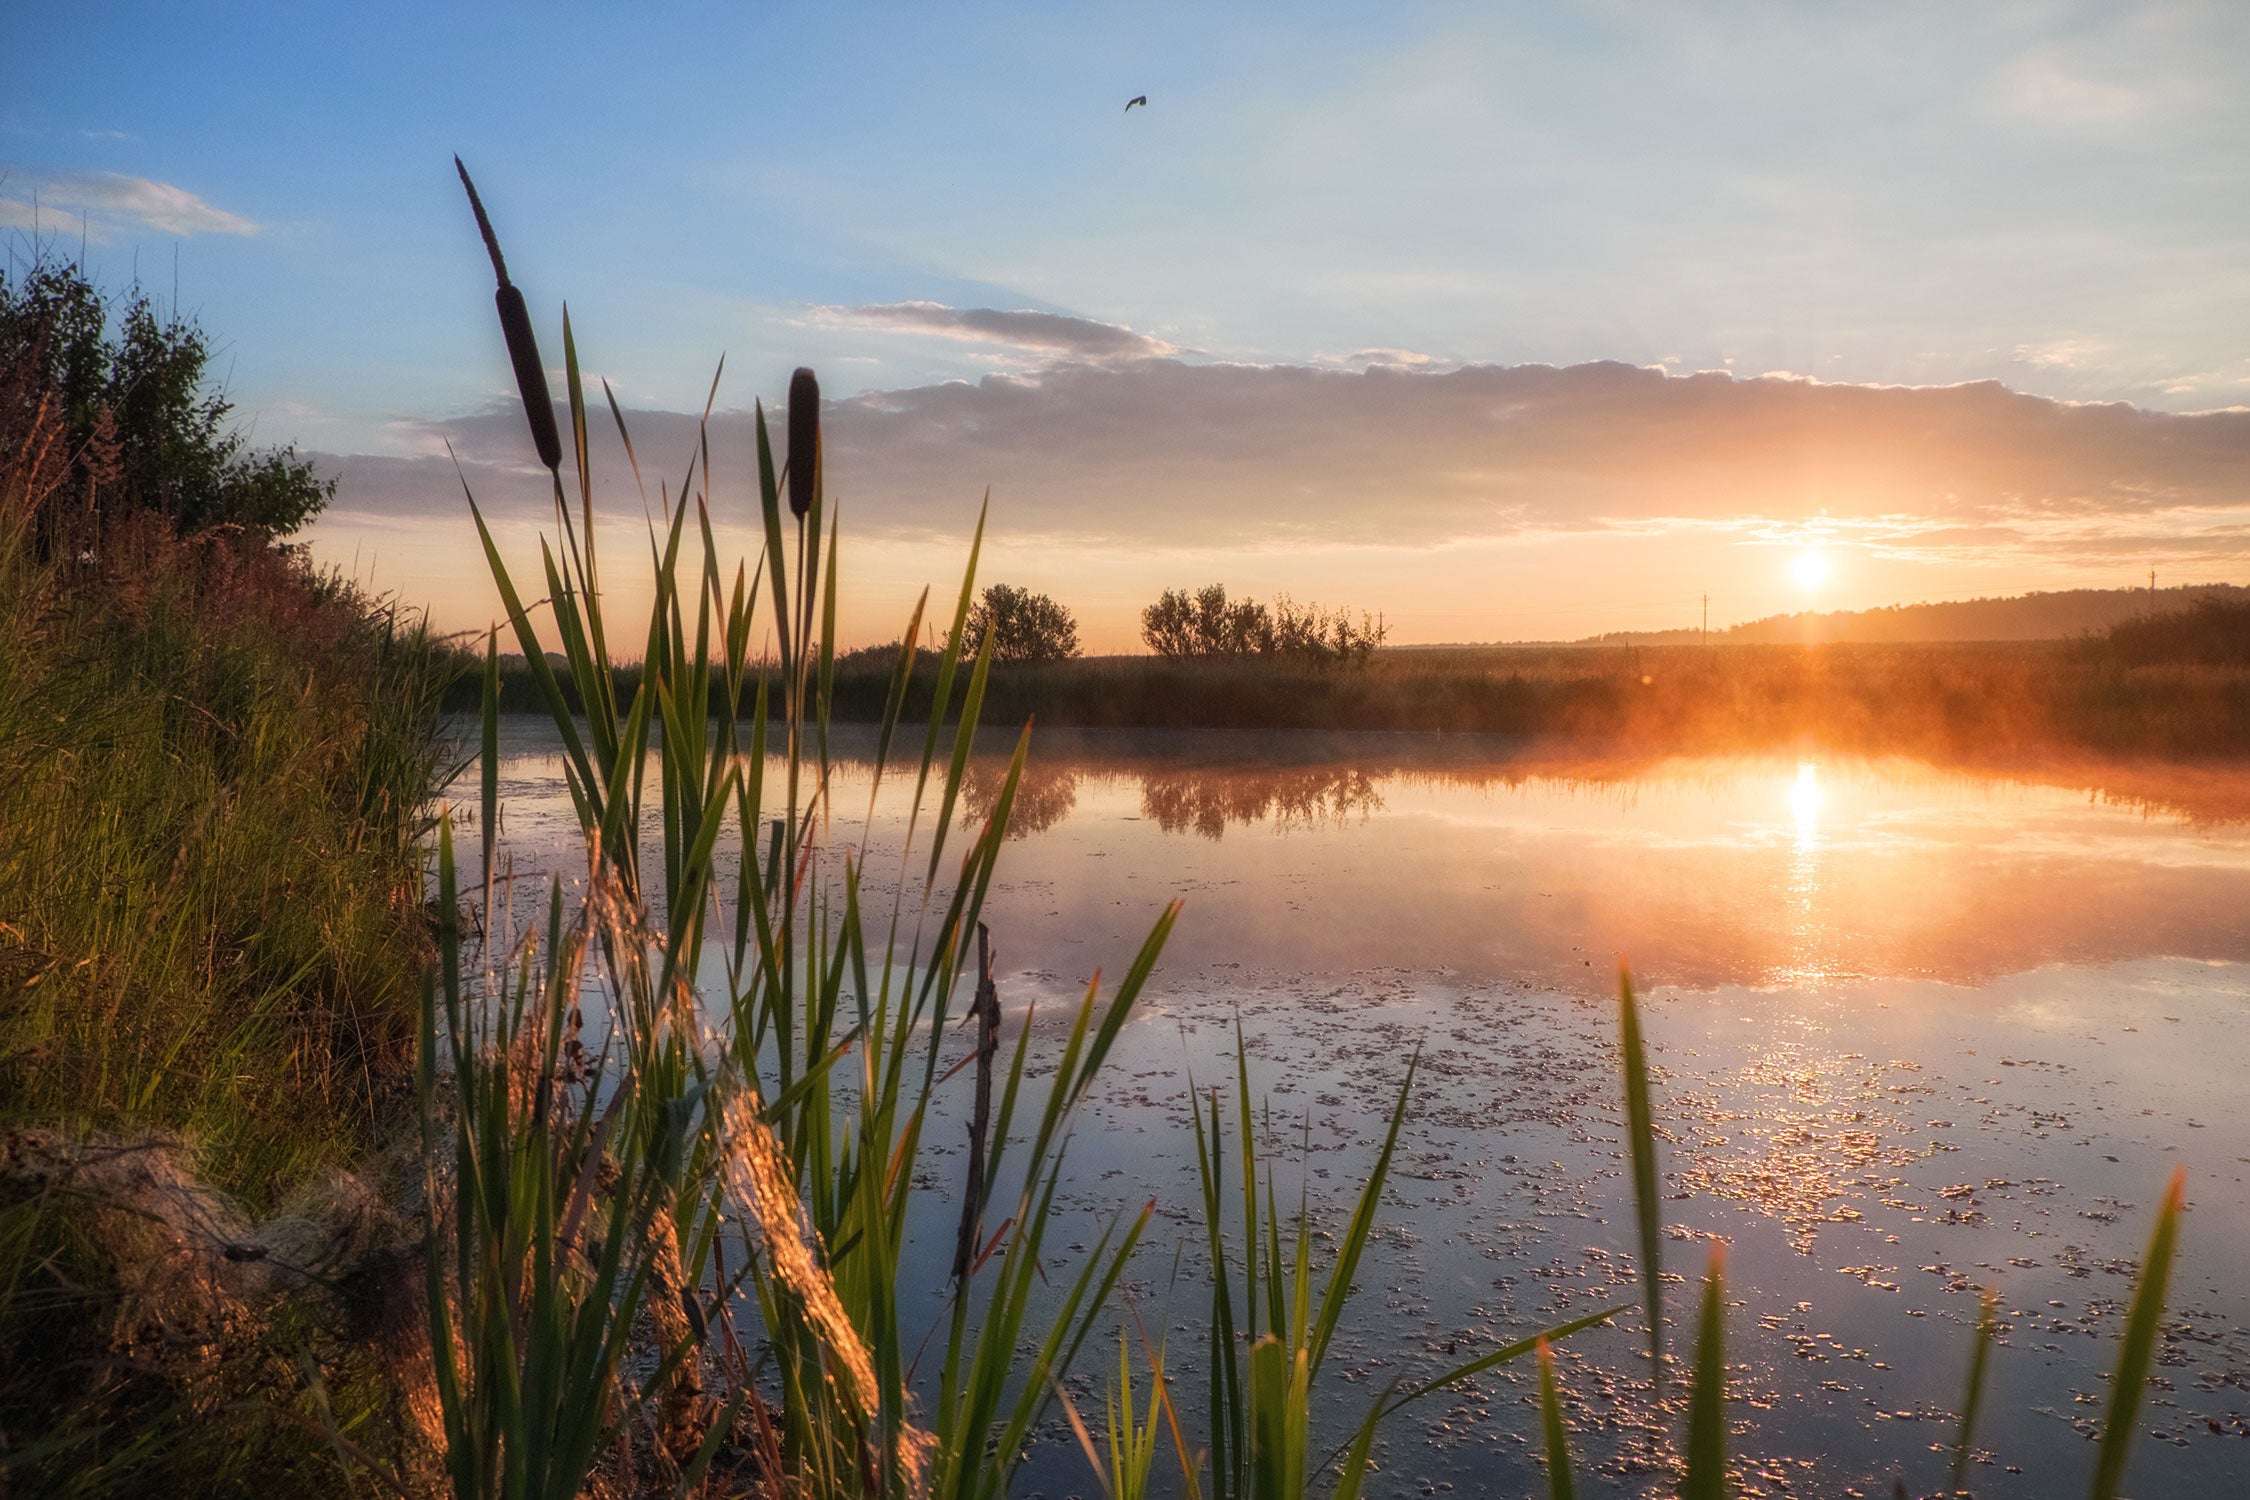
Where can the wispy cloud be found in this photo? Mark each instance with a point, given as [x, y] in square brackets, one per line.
[110, 203]
[1040, 332]
[2046, 88]
[2062, 354]
[1395, 359]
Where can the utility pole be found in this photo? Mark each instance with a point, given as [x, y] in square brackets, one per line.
[1703, 637]
[2152, 585]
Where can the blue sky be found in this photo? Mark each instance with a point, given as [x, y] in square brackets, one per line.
[2051, 196]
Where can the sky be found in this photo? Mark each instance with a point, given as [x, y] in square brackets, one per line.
[1501, 321]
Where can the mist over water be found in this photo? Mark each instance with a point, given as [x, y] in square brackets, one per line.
[1918, 1030]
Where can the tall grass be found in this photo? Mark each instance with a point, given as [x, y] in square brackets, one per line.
[1273, 1316]
[216, 764]
[213, 772]
[759, 1111]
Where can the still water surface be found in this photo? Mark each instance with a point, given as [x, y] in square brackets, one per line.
[1919, 1031]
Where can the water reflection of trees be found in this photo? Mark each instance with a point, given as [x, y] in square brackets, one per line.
[1045, 795]
[1179, 799]
[1208, 799]
[1204, 798]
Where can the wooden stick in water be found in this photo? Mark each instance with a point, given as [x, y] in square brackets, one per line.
[985, 1008]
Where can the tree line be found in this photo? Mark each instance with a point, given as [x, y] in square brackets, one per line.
[1030, 627]
[1208, 623]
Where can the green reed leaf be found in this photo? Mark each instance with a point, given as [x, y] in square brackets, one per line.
[1640, 1135]
[2136, 1351]
[1972, 1396]
[1706, 1477]
[1557, 1441]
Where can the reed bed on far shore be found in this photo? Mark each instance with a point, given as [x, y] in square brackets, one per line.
[1953, 700]
[1986, 701]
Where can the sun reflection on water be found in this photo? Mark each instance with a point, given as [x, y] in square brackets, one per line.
[1810, 957]
[1804, 801]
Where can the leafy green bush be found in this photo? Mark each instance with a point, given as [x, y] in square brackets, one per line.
[1024, 626]
[145, 427]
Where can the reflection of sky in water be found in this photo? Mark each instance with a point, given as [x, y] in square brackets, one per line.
[1704, 871]
[1919, 1030]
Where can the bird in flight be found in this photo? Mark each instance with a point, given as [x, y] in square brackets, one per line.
[1140, 99]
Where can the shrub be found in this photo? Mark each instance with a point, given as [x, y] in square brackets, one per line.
[1208, 623]
[878, 661]
[145, 428]
[1024, 626]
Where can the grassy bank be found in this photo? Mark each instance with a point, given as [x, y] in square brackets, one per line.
[215, 770]
[2014, 699]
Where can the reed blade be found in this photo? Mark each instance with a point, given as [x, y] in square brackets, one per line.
[1551, 1426]
[1972, 1396]
[1640, 1132]
[1706, 1477]
[2136, 1351]
[489, 810]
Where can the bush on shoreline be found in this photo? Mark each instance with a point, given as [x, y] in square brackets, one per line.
[1207, 624]
[1024, 626]
[141, 425]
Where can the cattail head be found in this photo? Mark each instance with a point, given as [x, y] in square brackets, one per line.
[531, 375]
[484, 224]
[523, 346]
[804, 440]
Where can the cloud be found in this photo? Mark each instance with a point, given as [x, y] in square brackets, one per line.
[1158, 452]
[2061, 354]
[1404, 359]
[2044, 88]
[1049, 333]
[112, 202]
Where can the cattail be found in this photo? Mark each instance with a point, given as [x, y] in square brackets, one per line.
[804, 440]
[523, 347]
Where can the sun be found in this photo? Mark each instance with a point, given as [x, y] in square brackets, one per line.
[1811, 569]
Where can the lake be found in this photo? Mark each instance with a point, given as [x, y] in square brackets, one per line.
[1918, 1031]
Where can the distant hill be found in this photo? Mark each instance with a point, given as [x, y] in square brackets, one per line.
[2023, 617]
